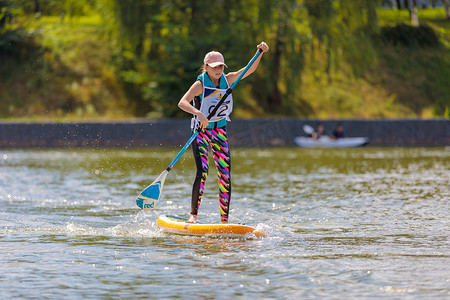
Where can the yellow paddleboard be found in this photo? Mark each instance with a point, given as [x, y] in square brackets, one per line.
[177, 225]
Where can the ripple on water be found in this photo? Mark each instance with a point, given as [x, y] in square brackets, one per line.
[347, 223]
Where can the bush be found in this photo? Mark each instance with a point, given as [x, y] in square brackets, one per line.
[410, 36]
[17, 44]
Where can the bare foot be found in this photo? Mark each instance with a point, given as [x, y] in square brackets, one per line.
[192, 219]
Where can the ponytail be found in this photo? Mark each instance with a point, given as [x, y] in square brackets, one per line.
[202, 69]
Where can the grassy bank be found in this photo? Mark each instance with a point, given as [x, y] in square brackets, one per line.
[70, 75]
[419, 77]
[401, 82]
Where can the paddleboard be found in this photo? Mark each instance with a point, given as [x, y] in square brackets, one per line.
[178, 225]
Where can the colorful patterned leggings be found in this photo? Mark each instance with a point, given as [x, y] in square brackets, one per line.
[217, 140]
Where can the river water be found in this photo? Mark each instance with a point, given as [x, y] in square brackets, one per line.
[348, 223]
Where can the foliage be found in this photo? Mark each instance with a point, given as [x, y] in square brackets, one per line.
[162, 44]
[417, 76]
[74, 78]
[410, 36]
[13, 39]
[138, 57]
[418, 81]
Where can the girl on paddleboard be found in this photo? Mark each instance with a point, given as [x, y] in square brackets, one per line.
[206, 91]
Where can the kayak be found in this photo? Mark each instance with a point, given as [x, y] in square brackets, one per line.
[326, 142]
[177, 225]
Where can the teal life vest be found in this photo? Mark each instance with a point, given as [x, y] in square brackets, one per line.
[210, 96]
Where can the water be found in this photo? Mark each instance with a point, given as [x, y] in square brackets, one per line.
[349, 223]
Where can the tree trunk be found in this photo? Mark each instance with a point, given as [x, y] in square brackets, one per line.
[447, 8]
[155, 31]
[36, 6]
[401, 4]
[372, 21]
[413, 13]
[275, 98]
[329, 58]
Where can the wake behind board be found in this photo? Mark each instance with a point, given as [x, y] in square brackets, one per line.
[177, 225]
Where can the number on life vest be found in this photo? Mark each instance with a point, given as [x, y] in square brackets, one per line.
[222, 110]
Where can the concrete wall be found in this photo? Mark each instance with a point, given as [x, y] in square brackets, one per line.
[242, 133]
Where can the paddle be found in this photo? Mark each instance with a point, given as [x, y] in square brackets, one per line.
[148, 198]
[308, 129]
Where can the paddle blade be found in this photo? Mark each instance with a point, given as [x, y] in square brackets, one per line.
[148, 198]
[308, 129]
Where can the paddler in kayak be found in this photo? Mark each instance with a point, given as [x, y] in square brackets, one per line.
[338, 133]
[320, 131]
[207, 90]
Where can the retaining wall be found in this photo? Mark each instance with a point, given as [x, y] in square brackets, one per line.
[242, 133]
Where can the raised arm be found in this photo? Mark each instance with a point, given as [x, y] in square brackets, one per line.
[232, 76]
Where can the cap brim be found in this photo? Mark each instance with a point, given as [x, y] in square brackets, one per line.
[215, 64]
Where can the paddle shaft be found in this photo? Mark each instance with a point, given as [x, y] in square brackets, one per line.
[213, 112]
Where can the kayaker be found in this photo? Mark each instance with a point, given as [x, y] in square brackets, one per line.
[206, 91]
[319, 132]
[338, 133]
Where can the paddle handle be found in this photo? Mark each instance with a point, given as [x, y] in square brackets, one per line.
[213, 112]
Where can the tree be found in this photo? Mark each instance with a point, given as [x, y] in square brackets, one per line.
[162, 43]
[447, 9]
[412, 6]
[13, 41]
[401, 4]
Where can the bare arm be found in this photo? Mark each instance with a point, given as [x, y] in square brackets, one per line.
[232, 76]
[185, 103]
